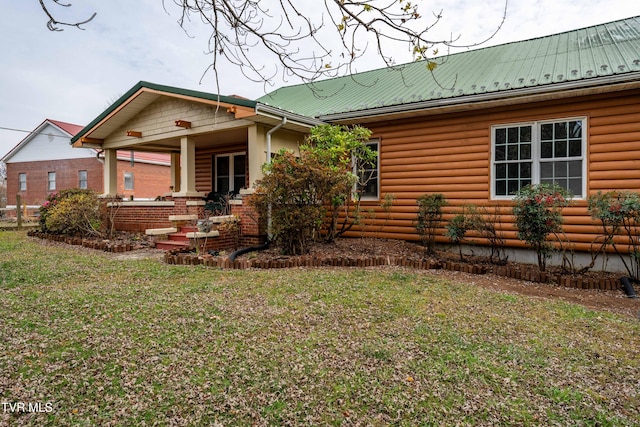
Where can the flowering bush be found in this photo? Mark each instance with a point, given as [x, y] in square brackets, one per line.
[619, 214]
[538, 212]
[46, 207]
[73, 212]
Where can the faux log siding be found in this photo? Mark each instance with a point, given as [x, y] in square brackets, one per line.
[204, 162]
[450, 154]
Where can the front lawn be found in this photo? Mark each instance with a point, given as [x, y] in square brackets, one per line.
[89, 339]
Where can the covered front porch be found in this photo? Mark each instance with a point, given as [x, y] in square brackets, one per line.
[217, 146]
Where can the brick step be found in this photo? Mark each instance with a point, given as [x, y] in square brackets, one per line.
[172, 244]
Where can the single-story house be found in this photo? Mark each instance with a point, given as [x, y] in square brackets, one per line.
[44, 162]
[563, 108]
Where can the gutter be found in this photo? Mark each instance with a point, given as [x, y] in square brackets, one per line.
[292, 118]
[628, 81]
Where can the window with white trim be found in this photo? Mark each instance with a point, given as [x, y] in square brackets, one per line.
[538, 152]
[368, 174]
[230, 172]
[51, 181]
[22, 182]
[128, 180]
[82, 180]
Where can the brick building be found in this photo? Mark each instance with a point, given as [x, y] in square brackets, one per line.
[45, 162]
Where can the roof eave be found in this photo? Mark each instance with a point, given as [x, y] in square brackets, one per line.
[512, 96]
[300, 120]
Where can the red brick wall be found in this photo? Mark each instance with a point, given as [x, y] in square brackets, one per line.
[37, 178]
[252, 230]
[150, 180]
[139, 218]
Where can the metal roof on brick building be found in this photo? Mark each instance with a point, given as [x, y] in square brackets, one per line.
[595, 55]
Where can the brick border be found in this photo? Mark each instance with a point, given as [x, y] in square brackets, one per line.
[515, 272]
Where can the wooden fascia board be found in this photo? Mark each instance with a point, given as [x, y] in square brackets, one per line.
[88, 142]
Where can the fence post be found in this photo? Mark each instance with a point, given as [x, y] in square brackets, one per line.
[19, 210]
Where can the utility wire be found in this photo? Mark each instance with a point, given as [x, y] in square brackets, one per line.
[30, 131]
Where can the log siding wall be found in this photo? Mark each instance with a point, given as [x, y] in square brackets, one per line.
[451, 154]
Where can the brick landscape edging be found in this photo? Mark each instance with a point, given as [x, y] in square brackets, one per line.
[514, 272]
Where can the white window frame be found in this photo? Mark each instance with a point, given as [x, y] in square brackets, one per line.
[22, 181]
[535, 153]
[375, 142]
[83, 179]
[51, 181]
[232, 174]
[131, 180]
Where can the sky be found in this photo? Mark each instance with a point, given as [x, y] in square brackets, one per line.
[74, 75]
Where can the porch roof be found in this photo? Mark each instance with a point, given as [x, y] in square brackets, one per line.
[144, 93]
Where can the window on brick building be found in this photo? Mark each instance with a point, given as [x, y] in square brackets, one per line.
[22, 182]
[128, 180]
[51, 181]
[82, 180]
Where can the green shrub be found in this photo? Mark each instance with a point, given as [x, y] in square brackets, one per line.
[538, 213]
[304, 195]
[71, 212]
[429, 218]
[619, 214]
[456, 230]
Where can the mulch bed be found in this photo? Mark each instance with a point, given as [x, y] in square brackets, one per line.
[362, 253]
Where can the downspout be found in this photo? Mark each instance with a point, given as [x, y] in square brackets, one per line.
[269, 133]
[272, 131]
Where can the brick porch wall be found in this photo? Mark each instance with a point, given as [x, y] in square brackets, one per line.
[139, 216]
[253, 231]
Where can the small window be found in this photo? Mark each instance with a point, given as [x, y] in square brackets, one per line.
[368, 175]
[82, 180]
[51, 181]
[128, 180]
[22, 182]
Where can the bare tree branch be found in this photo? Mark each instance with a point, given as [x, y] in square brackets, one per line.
[307, 40]
[53, 24]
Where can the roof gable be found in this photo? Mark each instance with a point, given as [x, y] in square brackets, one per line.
[580, 57]
[142, 95]
[49, 141]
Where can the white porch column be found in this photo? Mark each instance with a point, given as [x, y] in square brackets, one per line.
[110, 173]
[257, 153]
[188, 169]
[175, 172]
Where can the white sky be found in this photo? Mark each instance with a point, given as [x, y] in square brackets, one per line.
[74, 75]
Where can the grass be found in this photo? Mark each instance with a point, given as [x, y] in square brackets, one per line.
[138, 342]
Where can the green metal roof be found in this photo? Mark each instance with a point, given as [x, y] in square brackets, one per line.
[579, 56]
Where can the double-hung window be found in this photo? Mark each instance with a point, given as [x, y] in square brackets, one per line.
[368, 174]
[22, 182]
[51, 181]
[230, 174]
[128, 180]
[82, 180]
[539, 152]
